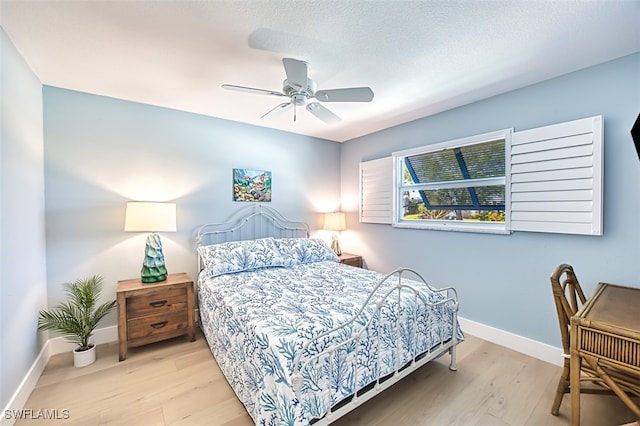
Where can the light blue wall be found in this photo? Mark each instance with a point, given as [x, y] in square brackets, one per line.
[22, 233]
[503, 280]
[101, 152]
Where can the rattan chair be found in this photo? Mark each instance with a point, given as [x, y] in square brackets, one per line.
[568, 297]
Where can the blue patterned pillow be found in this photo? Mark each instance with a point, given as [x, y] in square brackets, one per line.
[238, 256]
[304, 250]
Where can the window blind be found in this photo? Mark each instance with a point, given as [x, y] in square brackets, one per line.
[556, 178]
[376, 191]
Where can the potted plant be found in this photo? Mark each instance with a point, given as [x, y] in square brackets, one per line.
[78, 317]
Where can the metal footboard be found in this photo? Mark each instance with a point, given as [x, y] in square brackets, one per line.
[406, 359]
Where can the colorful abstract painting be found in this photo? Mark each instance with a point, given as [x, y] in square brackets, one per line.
[251, 185]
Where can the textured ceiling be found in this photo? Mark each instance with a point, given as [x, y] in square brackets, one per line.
[419, 57]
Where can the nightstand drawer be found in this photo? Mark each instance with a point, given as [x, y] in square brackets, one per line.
[156, 302]
[156, 324]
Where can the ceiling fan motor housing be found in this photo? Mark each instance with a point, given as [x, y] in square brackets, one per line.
[293, 90]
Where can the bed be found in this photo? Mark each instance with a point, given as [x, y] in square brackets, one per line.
[302, 338]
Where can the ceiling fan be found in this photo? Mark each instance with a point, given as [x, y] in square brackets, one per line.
[301, 91]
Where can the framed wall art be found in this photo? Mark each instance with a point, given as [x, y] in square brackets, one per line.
[251, 185]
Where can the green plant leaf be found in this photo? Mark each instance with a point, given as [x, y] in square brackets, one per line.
[77, 318]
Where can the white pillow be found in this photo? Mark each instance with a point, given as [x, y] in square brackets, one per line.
[238, 256]
[295, 251]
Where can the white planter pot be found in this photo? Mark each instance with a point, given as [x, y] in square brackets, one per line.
[84, 358]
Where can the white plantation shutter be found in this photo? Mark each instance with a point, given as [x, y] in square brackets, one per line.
[556, 178]
[376, 191]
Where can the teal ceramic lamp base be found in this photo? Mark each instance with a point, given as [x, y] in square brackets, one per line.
[153, 267]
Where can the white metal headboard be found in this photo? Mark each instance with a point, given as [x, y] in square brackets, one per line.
[250, 222]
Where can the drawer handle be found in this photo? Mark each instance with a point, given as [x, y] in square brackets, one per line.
[158, 303]
[158, 324]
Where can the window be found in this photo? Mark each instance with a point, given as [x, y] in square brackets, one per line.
[456, 185]
[546, 179]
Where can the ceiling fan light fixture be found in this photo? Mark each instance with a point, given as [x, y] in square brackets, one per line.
[299, 99]
[301, 90]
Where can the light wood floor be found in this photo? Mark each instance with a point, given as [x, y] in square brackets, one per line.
[179, 382]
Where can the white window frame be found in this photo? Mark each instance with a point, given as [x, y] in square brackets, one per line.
[451, 225]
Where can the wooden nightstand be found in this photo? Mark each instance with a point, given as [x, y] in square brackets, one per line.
[149, 313]
[351, 259]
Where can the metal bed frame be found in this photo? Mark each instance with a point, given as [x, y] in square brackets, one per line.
[259, 221]
[251, 222]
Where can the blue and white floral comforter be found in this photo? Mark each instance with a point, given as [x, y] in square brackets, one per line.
[255, 323]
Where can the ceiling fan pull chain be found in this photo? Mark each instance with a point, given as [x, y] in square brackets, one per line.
[294, 112]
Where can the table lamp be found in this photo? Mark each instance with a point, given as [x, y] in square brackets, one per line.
[151, 217]
[335, 222]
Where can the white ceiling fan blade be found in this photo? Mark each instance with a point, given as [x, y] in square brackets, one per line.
[252, 90]
[297, 72]
[351, 94]
[282, 107]
[322, 113]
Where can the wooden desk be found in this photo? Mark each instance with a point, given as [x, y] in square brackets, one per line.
[605, 332]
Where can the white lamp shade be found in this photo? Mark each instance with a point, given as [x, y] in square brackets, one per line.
[335, 221]
[150, 217]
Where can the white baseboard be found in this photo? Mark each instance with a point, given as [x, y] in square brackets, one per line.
[20, 397]
[515, 342]
[54, 346]
[100, 336]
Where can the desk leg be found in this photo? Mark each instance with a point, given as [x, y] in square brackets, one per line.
[594, 364]
[576, 362]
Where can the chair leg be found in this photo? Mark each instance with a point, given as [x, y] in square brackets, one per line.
[563, 385]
